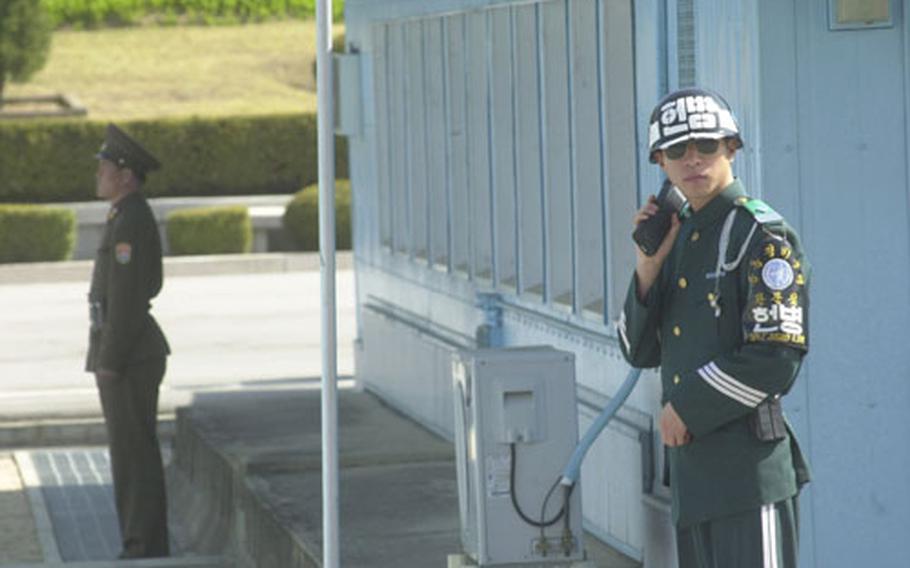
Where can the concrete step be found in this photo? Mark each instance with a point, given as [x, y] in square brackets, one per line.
[186, 562]
[246, 471]
[71, 431]
[252, 461]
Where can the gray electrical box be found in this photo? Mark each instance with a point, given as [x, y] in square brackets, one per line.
[516, 419]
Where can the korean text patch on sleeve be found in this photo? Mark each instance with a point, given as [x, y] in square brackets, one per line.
[777, 304]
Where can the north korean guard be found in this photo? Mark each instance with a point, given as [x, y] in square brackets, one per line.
[127, 349]
[721, 306]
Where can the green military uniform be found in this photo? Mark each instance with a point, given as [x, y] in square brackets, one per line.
[126, 340]
[726, 321]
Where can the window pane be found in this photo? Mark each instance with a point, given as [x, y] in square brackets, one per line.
[503, 147]
[478, 142]
[398, 142]
[558, 173]
[458, 148]
[436, 146]
[587, 135]
[417, 141]
[621, 180]
[527, 144]
[381, 73]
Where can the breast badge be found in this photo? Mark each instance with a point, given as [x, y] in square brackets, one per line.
[123, 252]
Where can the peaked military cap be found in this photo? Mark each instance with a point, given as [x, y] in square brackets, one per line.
[119, 148]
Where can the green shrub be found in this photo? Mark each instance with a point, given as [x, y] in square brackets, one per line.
[53, 160]
[210, 230]
[93, 14]
[301, 218]
[31, 233]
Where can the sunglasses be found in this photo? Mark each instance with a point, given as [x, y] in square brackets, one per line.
[705, 146]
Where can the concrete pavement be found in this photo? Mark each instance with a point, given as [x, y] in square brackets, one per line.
[246, 478]
[201, 265]
[19, 539]
[232, 322]
[252, 460]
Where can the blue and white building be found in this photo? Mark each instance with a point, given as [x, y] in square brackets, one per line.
[500, 153]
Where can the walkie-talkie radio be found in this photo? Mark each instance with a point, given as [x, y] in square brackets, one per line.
[651, 232]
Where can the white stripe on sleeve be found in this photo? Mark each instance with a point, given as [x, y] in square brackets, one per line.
[742, 386]
[728, 386]
[621, 327]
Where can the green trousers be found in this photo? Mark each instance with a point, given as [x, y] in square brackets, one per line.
[767, 537]
[130, 405]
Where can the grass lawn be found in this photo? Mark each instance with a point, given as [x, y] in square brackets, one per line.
[146, 72]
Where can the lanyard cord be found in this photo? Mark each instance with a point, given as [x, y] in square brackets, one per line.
[724, 267]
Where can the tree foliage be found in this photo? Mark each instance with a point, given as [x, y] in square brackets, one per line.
[25, 40]
[102, 13]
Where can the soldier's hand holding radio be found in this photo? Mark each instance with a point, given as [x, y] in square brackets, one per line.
[656, 226]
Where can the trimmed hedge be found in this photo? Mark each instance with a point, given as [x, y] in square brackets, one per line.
[31, 233]
[98, 13]
[210, 230]
[53, 160]
[301, 218]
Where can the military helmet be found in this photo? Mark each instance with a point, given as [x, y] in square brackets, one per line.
[690, 114]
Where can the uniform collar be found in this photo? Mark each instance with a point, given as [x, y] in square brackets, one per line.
[719, 206]
[117, 207]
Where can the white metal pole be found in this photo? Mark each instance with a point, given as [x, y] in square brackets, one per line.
[326, 148]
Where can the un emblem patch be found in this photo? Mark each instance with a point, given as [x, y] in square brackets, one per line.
[777, 274]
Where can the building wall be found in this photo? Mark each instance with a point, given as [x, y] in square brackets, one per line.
[836, 116]
[829, 111]
[502, 151]
[498, 155]
[498, 129]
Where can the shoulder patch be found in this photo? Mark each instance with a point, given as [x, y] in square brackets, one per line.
[761, 211]
[777, 302]
[123, 252]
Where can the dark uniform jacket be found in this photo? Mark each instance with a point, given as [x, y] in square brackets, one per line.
[727, 336]
[127, 275]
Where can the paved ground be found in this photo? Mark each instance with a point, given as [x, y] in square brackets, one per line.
[58, 510]
[227, 331]
[242, 343]
[398, 497]
[18, 535]
[73, 485]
